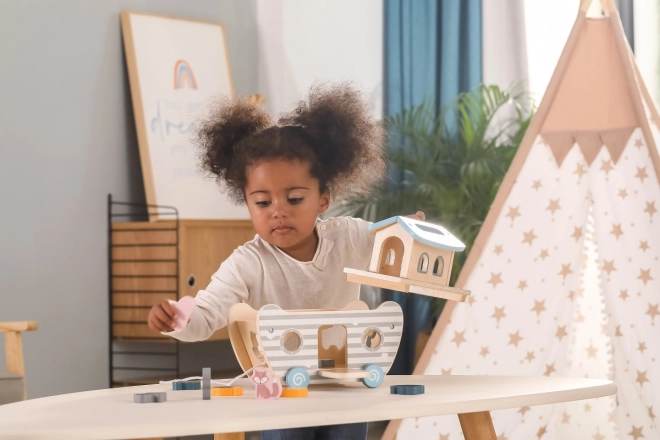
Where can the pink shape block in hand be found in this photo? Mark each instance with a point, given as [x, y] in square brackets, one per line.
[184, 309]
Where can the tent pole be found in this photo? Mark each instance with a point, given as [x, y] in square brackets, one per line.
[584, 5]
[608, 6]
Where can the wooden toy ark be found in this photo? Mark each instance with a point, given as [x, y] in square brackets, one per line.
[411, 256]
[296, 345]
[355, 343]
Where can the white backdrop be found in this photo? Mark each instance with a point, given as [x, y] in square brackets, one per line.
[647, 44]
[301, 42]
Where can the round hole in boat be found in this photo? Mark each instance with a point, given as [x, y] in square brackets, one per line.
[291, 341]
[372, 338]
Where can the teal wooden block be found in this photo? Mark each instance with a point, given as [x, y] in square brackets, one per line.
[185, 386]
[407, 390]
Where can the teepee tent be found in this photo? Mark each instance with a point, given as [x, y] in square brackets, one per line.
[565, 273]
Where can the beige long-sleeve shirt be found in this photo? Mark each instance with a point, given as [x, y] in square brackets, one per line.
[258, 273]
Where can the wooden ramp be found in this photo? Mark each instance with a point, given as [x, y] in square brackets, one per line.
[343, 373]
[405, 285]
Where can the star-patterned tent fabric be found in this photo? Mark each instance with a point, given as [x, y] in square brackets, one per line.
[565, 274]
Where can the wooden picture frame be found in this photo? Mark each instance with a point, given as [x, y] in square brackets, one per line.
[177, 69]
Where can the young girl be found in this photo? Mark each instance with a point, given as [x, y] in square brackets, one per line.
[286, 174]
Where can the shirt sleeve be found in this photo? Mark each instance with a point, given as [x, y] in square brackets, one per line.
[361, 240]
[228, 287]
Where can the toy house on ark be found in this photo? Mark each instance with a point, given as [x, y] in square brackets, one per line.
[411, 256]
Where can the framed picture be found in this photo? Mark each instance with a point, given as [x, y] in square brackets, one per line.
[177, 67]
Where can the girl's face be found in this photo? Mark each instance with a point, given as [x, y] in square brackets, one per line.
[284, 201]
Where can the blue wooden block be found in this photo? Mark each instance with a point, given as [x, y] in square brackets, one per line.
[150, 398]
[178, 386]
[407, 390]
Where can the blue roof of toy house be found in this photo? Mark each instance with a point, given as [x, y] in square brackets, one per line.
[427, 233]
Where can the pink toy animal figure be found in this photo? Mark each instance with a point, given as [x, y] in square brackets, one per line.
[268, 386]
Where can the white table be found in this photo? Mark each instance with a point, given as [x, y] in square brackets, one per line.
[111, 413]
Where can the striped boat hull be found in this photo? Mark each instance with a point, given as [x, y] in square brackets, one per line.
[273, 323]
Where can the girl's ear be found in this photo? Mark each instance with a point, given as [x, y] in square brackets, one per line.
[324, 202]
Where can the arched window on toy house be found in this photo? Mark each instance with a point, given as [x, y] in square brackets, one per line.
[423, 264]
[439, 267]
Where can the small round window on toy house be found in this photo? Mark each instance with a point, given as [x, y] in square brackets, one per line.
[372, 339]
[291, 341]
[439, 267]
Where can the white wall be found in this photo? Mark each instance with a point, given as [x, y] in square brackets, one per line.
[301, 42]
[67, 139]
[647, 44]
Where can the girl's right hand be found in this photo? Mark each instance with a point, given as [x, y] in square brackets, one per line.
[162, 317]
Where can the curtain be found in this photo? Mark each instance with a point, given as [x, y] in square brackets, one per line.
[626, 12]
[432, 51]
[504, 52]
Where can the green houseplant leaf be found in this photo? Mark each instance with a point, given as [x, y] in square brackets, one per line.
[450, 165]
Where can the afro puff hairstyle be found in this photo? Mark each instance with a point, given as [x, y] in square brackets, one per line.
[332, 130]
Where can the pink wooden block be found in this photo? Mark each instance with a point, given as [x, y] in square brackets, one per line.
[184, 309]
[268, 385]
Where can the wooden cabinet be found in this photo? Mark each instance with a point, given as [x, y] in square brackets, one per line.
[153, 261]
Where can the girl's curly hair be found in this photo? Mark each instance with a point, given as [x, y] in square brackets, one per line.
[332, 130]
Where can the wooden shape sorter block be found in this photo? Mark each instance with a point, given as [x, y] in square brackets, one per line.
[186, 386]
[184, 308]
[407, 390]
[206, 383]
[150, 398]
[295, 392]
[227, 391]
[267, 385]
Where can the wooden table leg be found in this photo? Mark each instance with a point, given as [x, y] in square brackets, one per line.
[477, 426]
[230, 436]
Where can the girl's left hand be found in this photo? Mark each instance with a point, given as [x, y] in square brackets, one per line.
[419, 215]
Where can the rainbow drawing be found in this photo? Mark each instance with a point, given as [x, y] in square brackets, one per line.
[183, 76]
